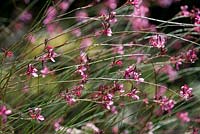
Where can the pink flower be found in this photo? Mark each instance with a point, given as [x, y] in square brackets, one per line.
[117, 63]
[108, 101]
[36, 114]
[112, 4]
[165, 3]
[53, 28]
[110, 18]
[197, 23]
[158, 41]
[131, 73]
[93, 127]
[32, 71]
[25, 16]
[184, 11]
[56, 124]
[146, 100]
[18, 26]
[186, 92]
[78, 90]
[50, 15]
[51, 12]
[25, 89]
[169, 70]
[31, 38]
[50, 54]
[149, 127]
[105, 96]
[133, 94]
[118, 87]
[81, 69]
[47, 20]
[183, 116]
[107, 31]
[195, 130]
[81, 16]
[161, 91]
[191, 56]
[85, 43]
[4, 112]
[115, 130]
[139, 58]
[83, 58]
[64, 5]
[45, 71]
[178, 63]
[139, 23]
[76, 32]
[118, 50]
[166, 104]
[114, 110]
[7, 53]
[70, 99]
[135, 3]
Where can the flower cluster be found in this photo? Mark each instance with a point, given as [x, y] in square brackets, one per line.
[71, 95]
[117, 87]
[193, 14]
[131, 73]
[105, 95]
[186, 92]
[105, 98]
[107, 21]
[69, 98]
[183, 116]
[138, 21]
[81, 69]
[158, 41]
[165, 103]
[49, 54]
[51, 14]
[189, 57]
[133, 94]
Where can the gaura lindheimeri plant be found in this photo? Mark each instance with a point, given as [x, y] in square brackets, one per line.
[99, 67]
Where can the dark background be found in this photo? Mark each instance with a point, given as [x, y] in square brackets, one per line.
[9, 8]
